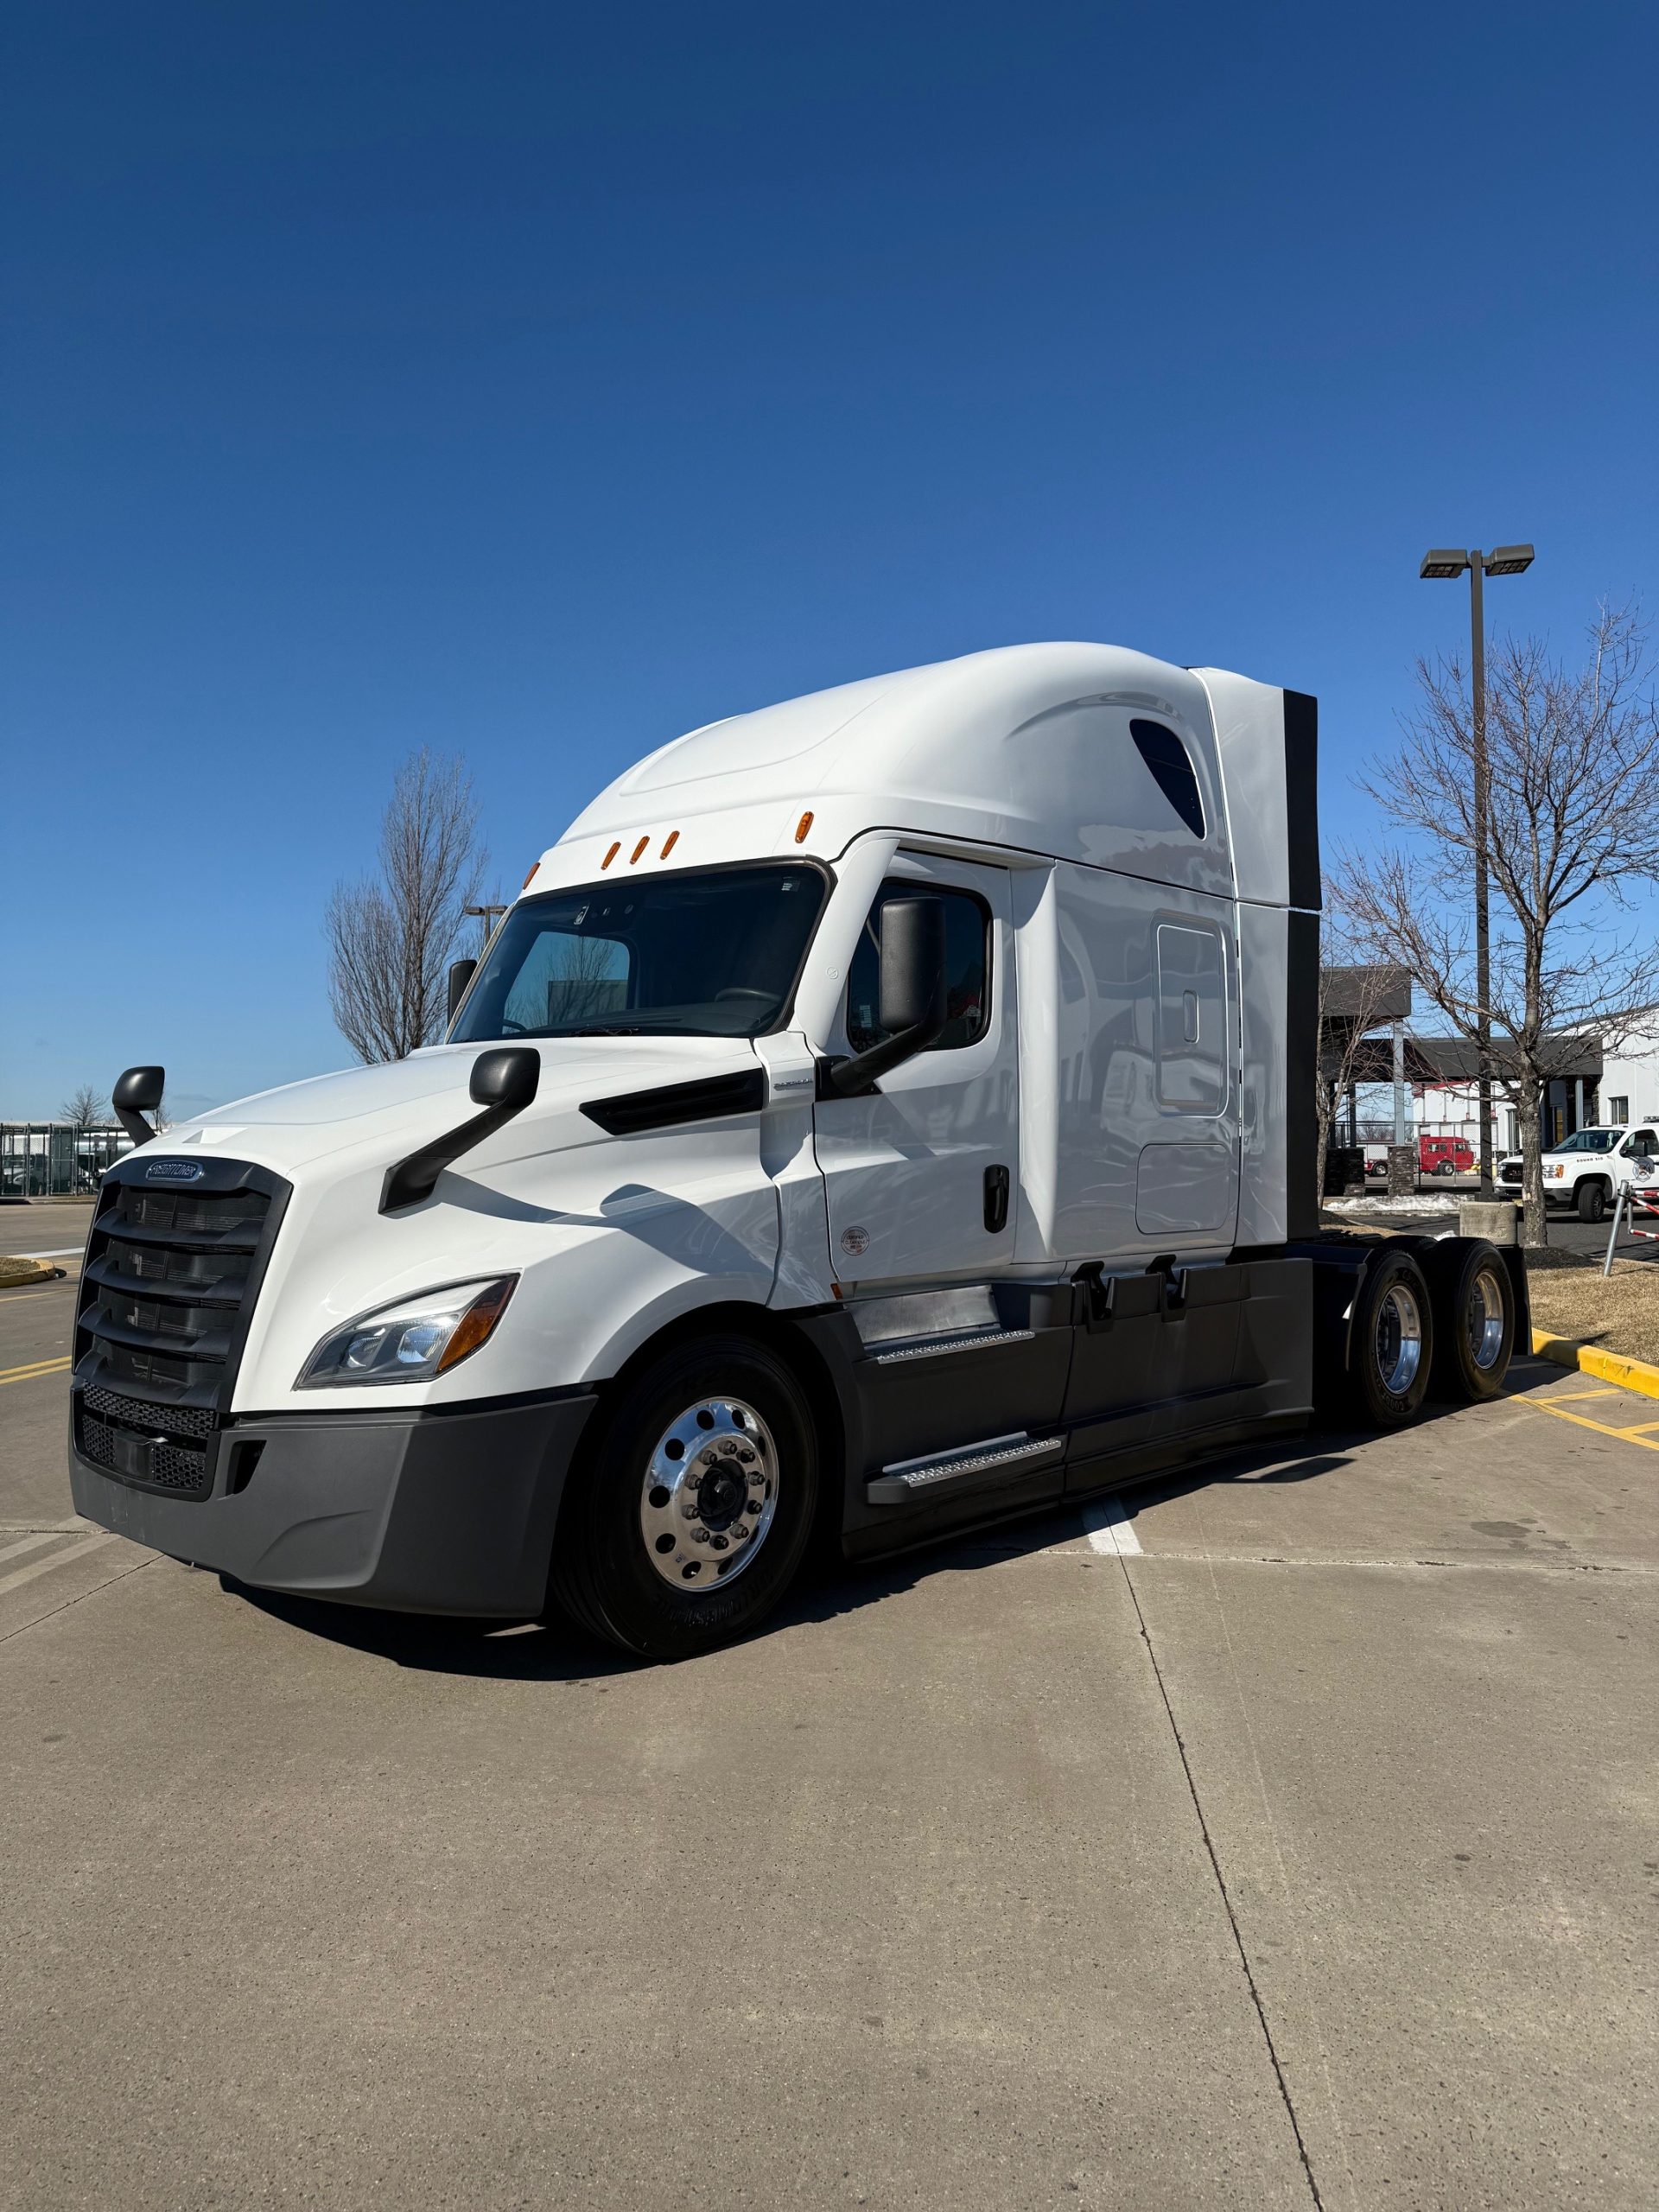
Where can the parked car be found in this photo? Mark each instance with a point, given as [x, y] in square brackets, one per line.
[1584, 1170]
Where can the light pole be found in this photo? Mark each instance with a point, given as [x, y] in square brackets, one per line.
[489, 916]
[1502, 561]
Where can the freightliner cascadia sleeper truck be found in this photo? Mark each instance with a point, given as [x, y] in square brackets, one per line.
[886, 1112]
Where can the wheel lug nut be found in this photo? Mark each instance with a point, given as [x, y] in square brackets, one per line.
[699, 1536]
[740, 1530]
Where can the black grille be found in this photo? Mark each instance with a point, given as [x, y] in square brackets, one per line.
[155, 1463]
[167, 1295]
[194, 1421]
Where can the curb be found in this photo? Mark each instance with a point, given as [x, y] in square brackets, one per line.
[14, 1273]
[1606, 1366]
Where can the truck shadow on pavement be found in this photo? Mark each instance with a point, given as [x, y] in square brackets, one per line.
[531, 1651]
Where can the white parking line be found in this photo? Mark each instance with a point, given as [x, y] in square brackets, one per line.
[58, 1559]
[1111, 1528]
[30, 1543]
[63, 1252]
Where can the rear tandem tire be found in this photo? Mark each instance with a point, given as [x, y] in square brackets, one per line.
[633, 1524]
[1473, 1303]
[1391, 1342]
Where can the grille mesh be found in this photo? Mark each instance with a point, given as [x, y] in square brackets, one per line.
[171, 1466]
[168, 1279]
[139, 1413]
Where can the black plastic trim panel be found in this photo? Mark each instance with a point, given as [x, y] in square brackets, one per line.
[671, 1104]
[1301, 1075]
[1302, 798]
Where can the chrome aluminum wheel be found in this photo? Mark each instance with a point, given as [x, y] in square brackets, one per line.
[710, 1493]
[1397, 1346]
[1487, 1309]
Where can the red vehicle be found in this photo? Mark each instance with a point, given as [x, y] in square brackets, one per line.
[1446, 1156]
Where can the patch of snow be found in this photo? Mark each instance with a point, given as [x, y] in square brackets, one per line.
[1392, 1209]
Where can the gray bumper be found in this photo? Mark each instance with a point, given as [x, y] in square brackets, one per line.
[426, 1513]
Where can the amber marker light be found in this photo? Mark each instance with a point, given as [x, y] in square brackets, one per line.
[803, 826]
[670, 841]
[637, 849]
[611, 856]
[530, 878]
[476, 1323]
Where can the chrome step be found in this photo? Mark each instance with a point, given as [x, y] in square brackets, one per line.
[967, 1340]
[909, 1479]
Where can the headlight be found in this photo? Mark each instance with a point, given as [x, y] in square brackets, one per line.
[413, 1340]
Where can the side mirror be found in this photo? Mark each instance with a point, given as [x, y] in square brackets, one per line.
[137, 1092]
[910, 1000]
[503, 1083]
[507, 1079]
[461, 974]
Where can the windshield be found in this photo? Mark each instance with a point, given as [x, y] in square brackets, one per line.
[1589, 1141]
[711, 953]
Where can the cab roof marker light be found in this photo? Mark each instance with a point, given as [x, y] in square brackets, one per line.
[530, 878]
[637, 849]
[611, 856]
[669, 843]
[803, 826]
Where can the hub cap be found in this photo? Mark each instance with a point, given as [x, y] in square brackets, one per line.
[1485, 1317]
[1398, 1341]
[710, 1492]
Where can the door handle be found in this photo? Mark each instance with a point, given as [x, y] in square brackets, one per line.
[996, 1199]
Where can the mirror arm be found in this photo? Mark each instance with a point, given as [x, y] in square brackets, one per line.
[413, 1180]
[856, 1078]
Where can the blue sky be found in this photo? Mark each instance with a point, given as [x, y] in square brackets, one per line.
[536, 383]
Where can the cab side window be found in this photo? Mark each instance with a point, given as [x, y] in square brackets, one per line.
[1643, 1145]
[967, 967]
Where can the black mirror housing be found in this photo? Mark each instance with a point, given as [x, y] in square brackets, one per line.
[507, 1079]
[137, 1092]
[461, 974]
[503, 1083]
[912, 994]
[913, 1005]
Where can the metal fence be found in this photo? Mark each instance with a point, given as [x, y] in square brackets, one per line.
[55, 1159]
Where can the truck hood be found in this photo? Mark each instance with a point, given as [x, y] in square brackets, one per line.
[380, 1114]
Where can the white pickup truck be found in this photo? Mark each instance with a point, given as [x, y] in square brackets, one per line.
[1585, 1169]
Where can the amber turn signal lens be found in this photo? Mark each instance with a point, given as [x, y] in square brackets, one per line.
[477, 1323]
[801, 827]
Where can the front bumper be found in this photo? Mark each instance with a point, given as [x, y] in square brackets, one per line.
[450, 1512]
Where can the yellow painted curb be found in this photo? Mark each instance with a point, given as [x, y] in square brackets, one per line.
[1608, 1366]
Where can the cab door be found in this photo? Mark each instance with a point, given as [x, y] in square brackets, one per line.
[922, 1177]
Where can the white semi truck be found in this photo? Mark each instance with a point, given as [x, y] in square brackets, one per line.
[886, 1112]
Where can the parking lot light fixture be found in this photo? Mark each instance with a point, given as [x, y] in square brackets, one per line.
[1502, 561]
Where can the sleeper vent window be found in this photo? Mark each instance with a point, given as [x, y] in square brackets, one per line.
[1167, 757]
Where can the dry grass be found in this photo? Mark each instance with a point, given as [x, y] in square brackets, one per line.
[1570, 1298]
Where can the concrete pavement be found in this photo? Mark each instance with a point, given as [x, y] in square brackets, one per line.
[1289, 1840]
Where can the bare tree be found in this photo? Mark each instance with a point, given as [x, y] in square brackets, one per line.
[85, 1109]
[1356, 996]
[390, 940]
[1574, 826]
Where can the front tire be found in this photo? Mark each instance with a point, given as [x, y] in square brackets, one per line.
[688, 1515]
[1391, 1342]
[1592, 1201]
